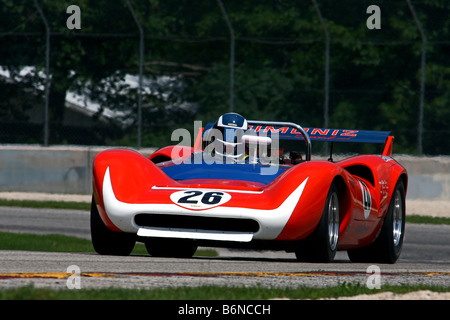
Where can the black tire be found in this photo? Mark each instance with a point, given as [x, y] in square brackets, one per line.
[388, 245]
[164, 247]
[321, 245]
[107, 242]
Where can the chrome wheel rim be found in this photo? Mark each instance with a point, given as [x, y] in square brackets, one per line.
[397, 219]
[333, 221]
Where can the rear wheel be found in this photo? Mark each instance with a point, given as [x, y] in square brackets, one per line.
[321, 245]
[164, 247]
[106, 241]
[388, 246]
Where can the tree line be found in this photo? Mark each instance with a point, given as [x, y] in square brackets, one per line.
[279, 66]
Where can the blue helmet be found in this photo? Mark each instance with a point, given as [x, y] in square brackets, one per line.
[231, 126]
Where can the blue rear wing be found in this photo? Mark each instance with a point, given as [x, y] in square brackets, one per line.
[325, 135]
[292, 131]
[320, 134]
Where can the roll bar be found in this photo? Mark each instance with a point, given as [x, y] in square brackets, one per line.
[291, 125]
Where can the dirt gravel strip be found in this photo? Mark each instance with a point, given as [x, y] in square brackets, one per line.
[425, 207]
[416, 295]
[36, 196]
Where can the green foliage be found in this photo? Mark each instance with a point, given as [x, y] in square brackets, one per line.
[279, 67]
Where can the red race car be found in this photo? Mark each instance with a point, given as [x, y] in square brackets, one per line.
[238, 188]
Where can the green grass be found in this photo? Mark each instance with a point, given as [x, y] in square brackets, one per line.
[204, 293]
[61, 243]
[426, 219]
[51, 242]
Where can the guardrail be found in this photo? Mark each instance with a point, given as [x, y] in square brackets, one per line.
[67, 170]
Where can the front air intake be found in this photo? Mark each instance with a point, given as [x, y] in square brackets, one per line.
[196, 222]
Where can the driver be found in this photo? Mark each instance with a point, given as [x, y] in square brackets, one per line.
[226, 136]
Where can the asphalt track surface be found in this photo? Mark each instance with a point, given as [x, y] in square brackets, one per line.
[425, 260]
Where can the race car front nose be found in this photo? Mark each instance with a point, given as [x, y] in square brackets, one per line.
[221, 223]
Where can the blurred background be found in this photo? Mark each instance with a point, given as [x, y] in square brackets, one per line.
[134, 70]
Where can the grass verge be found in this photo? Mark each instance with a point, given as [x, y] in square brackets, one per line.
[61, 243]
[204, 293]
[426, 219]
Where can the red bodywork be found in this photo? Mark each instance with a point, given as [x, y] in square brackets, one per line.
[365, 186]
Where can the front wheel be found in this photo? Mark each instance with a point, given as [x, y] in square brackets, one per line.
[106, 241]
[321, 245]
[388, 246]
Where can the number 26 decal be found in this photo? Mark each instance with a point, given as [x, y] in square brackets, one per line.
[199, 200]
